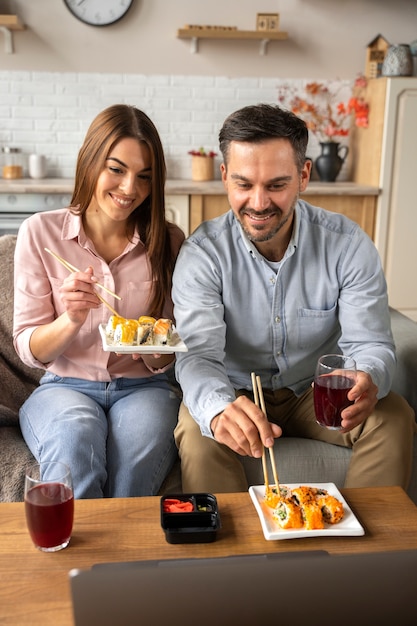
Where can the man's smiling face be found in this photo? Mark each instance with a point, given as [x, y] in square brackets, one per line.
[263, 184]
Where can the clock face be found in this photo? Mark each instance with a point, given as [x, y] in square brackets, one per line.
[98, 12]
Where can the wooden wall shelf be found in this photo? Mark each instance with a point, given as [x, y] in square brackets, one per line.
[263, 36]
[7, 24]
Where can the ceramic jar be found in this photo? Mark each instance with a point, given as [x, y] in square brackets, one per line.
[37, 166]
[398, 61]
[330, 161]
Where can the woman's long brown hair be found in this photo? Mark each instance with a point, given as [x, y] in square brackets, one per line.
[109, 127]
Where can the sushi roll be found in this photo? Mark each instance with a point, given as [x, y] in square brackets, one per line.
[162, 331]
[112, 323]
[331, 508]
[310, 509]
[144, 333]
[272, 498]
[146, 319]
[288, 514]
[125, 333]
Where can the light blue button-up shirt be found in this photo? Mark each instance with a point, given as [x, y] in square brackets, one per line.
[238, 312]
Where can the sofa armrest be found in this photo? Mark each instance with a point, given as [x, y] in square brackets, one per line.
[405, 336]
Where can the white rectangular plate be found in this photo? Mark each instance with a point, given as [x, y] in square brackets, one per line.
[348, 526]
[176, 345]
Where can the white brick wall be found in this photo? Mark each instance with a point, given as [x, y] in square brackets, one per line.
[49, 113]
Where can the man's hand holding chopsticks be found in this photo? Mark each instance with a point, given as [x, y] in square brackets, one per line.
[244, 428]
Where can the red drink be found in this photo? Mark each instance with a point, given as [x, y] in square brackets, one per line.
[49, 511]
[330, 398]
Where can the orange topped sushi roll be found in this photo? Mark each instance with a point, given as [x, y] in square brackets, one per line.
[125, 333]
[114, 320]
[146, 319]
[310, 509]
[331, 508]
[272, 498]
[162, 330]
[288, 514]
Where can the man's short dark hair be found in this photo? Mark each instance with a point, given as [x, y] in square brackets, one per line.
[261, 122]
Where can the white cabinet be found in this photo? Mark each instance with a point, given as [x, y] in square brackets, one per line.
[177, 211]
[388, 149]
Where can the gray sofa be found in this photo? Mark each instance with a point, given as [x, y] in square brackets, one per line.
[298, 460]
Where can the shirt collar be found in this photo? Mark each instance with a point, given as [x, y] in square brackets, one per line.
[72, 228]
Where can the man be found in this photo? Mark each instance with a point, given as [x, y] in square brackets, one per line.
[269, 287]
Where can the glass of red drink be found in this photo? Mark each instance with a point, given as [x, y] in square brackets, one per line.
[49, 506]
[334, 377]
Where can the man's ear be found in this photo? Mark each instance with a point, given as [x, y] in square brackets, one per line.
[305, 174]
[223, 172]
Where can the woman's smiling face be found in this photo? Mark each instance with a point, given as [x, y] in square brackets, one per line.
[125, 181]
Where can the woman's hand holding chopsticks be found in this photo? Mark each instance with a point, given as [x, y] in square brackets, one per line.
[78, 295]
[71, 268]
[48, 341]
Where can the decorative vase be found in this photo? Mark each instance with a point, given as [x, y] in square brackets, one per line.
[398, 61]
[202, 168]
[330, 161]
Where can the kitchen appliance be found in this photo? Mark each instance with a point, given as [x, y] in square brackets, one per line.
[16, 207]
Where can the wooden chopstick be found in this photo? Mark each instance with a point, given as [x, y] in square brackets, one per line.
[259, 401]
[72, 268]
[109, 306]
[264, 464]
[271, 450]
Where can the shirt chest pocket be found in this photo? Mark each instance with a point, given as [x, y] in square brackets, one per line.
[136, 298]
[316, 326]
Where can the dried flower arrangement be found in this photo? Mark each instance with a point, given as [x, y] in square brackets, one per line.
[324, 117]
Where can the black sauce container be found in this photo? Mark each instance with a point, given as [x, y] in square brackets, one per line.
[197, 526]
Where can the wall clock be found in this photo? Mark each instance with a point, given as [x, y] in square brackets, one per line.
[98, 12]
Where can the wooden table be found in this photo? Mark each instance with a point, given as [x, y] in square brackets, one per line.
[34, 586]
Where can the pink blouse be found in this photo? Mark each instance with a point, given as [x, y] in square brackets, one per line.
[38, 276]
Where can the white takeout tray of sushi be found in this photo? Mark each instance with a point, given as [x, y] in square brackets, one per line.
[176, 344]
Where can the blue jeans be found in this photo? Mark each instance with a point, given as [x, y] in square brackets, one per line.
[117, 437]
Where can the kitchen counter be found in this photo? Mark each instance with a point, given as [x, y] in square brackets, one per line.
[188, 203]
[179, 187]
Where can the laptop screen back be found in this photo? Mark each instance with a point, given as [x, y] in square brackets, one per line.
[310, 588]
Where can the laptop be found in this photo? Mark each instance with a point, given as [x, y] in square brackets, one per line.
[312, 588]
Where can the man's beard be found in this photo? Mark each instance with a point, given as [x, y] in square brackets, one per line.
[262, 237]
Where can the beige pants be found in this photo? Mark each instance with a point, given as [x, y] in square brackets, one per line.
[382, 447]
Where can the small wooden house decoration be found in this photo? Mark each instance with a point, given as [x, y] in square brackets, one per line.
[267, 21]
[375, 55]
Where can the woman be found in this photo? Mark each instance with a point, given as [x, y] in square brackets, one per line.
[109, 417]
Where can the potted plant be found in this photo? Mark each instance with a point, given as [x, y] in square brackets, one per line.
[202, 164]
